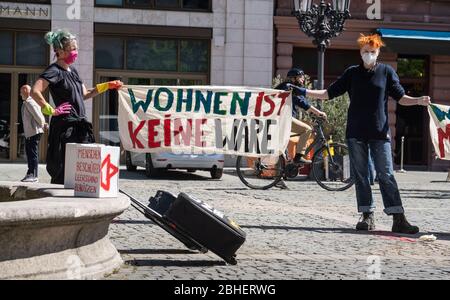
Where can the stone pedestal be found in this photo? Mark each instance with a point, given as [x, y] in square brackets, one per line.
[47, 233]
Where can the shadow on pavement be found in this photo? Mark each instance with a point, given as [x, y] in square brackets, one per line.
[314, 229]
[131, 222]
[443, 236]
[228, 189]
[174, 263]
[157, 251]
[166, 175]
[425, 194]
[440, 235]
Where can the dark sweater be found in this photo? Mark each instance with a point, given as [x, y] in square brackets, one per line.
[369, 91]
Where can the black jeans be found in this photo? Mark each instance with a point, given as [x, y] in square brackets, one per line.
[65, 130]
[31, 147]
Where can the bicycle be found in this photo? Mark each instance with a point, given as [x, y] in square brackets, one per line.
[330, 165]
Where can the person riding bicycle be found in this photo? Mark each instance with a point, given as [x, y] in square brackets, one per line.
[294, 81]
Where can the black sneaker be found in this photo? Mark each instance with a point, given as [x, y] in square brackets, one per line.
[367, 223]
[401, 225]
[30, 178]
[299, 159]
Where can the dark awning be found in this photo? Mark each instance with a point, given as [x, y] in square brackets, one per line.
[416, 41]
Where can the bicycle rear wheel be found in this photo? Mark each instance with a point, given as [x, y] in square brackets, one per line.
[260, 173]
[332, 170]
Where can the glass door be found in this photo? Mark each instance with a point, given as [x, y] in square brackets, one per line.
[5, 115]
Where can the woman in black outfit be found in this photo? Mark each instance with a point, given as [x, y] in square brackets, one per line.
[69, 123]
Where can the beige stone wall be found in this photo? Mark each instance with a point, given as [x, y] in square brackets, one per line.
[242, 50]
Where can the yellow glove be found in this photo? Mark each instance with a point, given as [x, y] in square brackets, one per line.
[48, 110]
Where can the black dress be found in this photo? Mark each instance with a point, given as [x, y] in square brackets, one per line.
[65, 86]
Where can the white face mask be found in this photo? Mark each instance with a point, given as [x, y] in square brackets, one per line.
[369, 58]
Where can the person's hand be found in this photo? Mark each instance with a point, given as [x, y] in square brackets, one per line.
[115, 84]
[63, 109]
[46, 127]
[322, 115]
[110, 85]
[424, 101]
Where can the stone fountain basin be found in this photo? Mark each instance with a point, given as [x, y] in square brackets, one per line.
[47, 233]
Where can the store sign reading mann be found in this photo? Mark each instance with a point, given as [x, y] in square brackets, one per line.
[28, 11]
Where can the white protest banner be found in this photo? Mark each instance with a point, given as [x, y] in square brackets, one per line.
[205, 119]
[440, 129]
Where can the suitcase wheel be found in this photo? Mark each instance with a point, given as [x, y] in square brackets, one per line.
[231, 260]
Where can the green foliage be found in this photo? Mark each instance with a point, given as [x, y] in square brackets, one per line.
[277, 80]
[336, 111]
[411, 67]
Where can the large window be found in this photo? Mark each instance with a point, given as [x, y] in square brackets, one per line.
[152, 54]
[23, 48]
[31, 1]
[31, 49]
[200, 5]
[144, 61]
[109, 53]
[7, 48]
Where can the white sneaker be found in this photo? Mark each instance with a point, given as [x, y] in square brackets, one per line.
[30, 178]
[281, 185]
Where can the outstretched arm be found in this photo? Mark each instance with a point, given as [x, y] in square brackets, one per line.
[101, 88]
[410, 101]
[88, 94]
[318, 94]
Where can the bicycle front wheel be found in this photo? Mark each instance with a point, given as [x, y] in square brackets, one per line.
[260, 173]
[331, 167]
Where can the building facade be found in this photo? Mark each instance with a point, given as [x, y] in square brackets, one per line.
[421, 59]
[216, 42]
[160, 42]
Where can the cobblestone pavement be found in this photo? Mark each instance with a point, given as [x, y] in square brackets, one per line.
[301, 233]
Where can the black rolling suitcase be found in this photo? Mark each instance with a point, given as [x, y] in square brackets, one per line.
[208, 226]
[156, 210]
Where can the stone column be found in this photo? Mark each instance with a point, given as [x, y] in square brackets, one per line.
[242, 48]
[284, 58]
[258, 41]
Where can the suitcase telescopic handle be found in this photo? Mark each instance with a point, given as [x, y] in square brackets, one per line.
[136, 203]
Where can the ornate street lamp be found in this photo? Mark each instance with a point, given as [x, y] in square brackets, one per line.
[322, 22]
